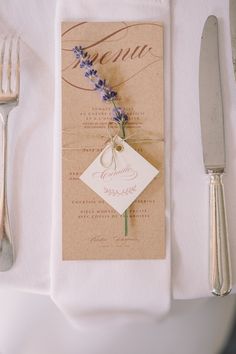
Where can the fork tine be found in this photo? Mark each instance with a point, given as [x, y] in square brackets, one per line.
[3, 45]
[9, 66]
[17, 81]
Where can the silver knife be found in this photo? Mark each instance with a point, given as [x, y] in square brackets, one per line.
[213, 143]
[232, 17]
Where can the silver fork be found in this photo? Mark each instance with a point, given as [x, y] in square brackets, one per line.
[9, 98]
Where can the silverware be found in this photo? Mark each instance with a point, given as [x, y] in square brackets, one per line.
[232, 16]
[9, 97]
[212, 131]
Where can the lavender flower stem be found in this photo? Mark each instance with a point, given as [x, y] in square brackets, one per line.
[126, 211]
[107, 95]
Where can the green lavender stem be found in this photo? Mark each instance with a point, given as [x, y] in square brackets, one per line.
[126, 211]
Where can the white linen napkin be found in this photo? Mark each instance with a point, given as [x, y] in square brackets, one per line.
[109, 290]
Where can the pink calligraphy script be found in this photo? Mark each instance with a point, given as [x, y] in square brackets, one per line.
[107, 175]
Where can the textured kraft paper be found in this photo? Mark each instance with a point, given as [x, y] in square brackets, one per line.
[129, 55]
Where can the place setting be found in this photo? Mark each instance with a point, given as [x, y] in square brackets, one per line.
[117, 220]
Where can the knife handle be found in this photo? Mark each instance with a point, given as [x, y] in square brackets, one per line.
[220, 265]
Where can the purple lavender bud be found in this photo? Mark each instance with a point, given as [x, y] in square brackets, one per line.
[86, 63]
[91, 74]
[78, 51]
[100, 85]
[109, 95]
[119, 115]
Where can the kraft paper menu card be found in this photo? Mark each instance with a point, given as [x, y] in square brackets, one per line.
[129, 55]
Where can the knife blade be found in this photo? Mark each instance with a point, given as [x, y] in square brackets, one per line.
[232, 17]
[213, 145]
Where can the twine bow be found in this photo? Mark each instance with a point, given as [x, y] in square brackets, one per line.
[114, 146]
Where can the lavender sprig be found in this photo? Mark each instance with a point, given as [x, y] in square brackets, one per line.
[107, 95]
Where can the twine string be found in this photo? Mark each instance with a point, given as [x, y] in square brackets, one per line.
[115, 147]
[114, 144]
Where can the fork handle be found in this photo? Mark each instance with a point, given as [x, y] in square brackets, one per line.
[6, 244]
[220, 273]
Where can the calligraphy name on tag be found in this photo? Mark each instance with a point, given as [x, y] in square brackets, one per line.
[124, 180]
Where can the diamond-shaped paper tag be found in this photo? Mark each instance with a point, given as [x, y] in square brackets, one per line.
[121, 183]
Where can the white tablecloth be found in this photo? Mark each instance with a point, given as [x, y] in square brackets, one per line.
[81, 289]
[38, 326]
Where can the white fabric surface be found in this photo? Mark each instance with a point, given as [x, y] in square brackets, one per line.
[39, 327]
[30, 144]
[100, 289]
